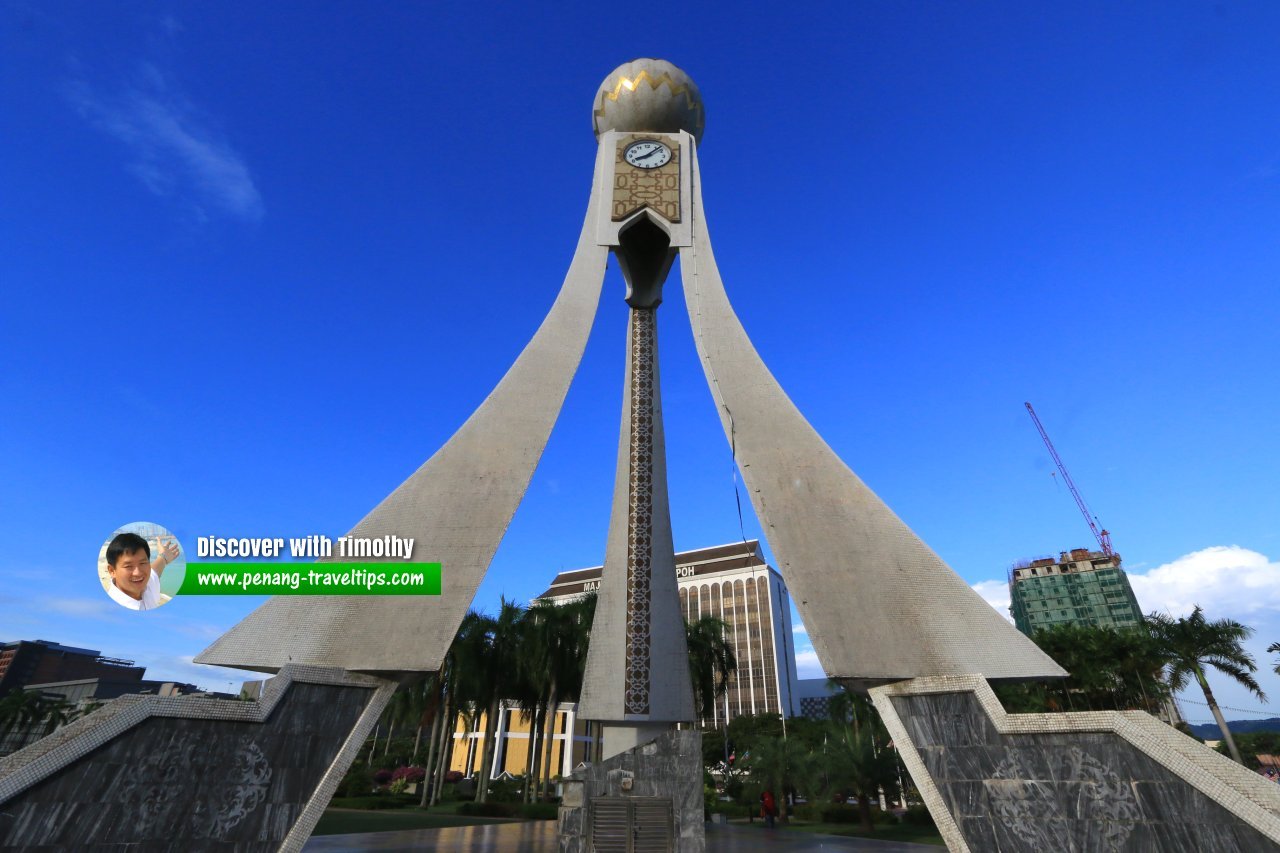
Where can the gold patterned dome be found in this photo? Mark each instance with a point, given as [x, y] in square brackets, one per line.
[648, 96]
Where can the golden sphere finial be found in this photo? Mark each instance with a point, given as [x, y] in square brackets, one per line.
[648, 96]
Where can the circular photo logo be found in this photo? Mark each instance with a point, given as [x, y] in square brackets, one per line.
[141, 566]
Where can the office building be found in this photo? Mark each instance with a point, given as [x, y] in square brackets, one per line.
[25, 662]
[731, 582]
[734, 584]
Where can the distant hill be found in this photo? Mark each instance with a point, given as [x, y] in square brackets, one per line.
[1210, 731]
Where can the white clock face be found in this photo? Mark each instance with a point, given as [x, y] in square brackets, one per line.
[647, 154]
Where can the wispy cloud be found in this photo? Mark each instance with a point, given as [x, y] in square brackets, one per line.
[175, 151]
[997, 595]
[92, 608]
[183, 668]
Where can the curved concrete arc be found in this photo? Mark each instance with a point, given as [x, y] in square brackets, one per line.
[879, 605]
[456, 507]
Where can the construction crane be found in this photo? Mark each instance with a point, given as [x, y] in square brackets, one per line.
[1103, 537]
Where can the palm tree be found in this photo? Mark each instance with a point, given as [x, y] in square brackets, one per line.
[777, 764]
[1274, 648]
[541, 629]
[490, 648]
[711, 662]
[19, 713]
[846, 706]
[555, 653]
[1194, 643]
[851, 761]
[55, 713]
[452, 692]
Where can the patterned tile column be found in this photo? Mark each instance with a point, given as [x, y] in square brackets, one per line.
[640, 500]
[637, 681]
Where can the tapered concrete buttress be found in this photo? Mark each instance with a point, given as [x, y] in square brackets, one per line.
[456, 507]
[879, 605]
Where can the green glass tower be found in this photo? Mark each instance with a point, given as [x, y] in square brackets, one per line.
[1081, 587]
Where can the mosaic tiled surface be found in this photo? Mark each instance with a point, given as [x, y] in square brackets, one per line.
[878, 603]
[1106, 781]
[634, 188]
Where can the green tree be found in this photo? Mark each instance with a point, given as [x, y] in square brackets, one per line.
[778, 764]
[1108, 669]
[561, 662]
[848, 707]
[1273, 649]
[1195, 644]
[493, 648]
[55, 712]
[854, 762]
[471, 681]
[711, 662]
[1254, 744]
[20, 711]
[746, 730]
[551, 652]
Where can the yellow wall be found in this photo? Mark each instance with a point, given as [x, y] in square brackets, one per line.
[517, 753]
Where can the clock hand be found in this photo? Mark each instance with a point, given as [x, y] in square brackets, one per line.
[647, 156]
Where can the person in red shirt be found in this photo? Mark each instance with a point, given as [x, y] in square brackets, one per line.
[768, 808]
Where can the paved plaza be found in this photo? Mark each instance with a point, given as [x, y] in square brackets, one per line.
[541, 836]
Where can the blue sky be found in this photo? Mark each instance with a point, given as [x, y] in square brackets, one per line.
[260, 261]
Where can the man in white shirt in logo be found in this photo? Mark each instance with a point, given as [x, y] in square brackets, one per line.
[135, 578]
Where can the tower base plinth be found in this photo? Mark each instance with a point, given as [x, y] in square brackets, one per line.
[652, 791]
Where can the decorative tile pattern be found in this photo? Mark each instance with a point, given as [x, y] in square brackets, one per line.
[640, 512]
[657, 189]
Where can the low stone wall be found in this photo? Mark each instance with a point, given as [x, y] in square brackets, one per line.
[666, 769]
[150, 773]
[1096, 781]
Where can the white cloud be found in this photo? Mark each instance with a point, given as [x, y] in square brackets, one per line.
[1226, 580]
[996, 593]
[175, 152]
[807, 665]
[800, 630]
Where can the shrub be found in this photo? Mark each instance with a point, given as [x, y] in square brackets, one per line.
[409, 774]
[539, 811]
[382, 777]
[917, 816]
[805, 811]
[878, 816]
[507, 790]
[489, 809]
[357, 783]
[369, 803]
[453, 776]
[840, 814]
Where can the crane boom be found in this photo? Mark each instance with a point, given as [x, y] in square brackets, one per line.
[1103, 537]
